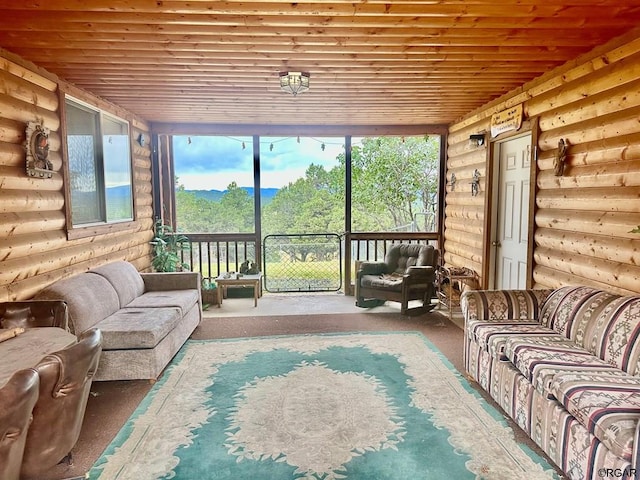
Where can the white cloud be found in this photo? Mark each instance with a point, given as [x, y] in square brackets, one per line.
[287, 162]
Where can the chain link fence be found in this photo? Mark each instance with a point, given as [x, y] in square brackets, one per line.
[302, 262]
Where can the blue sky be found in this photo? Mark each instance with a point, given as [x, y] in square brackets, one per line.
[212, 163]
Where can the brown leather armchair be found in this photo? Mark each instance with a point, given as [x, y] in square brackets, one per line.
[34, 313]
[65, 381]
[17, 398]
[407, 273]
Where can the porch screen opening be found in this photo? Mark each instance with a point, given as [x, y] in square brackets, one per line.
[395, 183]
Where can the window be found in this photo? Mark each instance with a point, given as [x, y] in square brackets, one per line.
[215, 184]
[395, 183]
[99, 154]
[302, 181]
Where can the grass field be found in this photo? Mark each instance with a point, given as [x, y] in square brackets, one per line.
[298, 276]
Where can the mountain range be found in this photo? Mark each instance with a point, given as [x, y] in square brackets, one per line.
[267, 194]
[124, 192]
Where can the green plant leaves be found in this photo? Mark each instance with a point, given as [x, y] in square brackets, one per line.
[168, 248]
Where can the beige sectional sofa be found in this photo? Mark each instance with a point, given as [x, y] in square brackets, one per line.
[565, 365]
[144, 317]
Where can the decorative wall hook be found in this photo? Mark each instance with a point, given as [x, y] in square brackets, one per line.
[475, 183]
[452, 182]
[560, 158]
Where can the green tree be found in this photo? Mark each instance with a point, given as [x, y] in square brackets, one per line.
[307, 205]
[194, 214]
[235, 211]
[393, 179]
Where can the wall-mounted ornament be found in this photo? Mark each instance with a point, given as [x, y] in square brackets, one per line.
[452, 182]
[560, 158]
[475, 183]
[476, 139]
[37, 147]
[141, 140]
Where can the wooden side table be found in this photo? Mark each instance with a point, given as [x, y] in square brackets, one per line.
[446, 278]
[240, 280]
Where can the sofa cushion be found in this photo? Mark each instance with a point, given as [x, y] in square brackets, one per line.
[491, 336]
[503, 305]
[183, 299]
[391, 281]
[570, 310]
[124, 278]
[90, 298]
[615, 336]
[539, 360]
[132, 328]
[607, 404]
[404, 255]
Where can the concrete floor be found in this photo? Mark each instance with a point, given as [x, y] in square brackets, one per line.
[293, 304]
[304, 304]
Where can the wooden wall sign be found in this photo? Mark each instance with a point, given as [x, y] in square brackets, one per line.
[506, 120]
[37, 147]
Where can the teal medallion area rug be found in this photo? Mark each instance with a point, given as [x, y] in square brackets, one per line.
[360, 406]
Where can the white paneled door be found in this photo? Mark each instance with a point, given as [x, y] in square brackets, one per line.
[512, 222]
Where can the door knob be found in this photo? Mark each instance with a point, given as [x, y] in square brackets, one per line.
[495, 243]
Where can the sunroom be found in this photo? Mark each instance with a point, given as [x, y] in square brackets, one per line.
[530, 110]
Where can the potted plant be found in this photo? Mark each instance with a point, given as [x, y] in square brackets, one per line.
[167, 249]
[209, 292]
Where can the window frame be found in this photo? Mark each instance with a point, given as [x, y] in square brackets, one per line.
[101, 227]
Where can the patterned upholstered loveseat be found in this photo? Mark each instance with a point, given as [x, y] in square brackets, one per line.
[565, 365]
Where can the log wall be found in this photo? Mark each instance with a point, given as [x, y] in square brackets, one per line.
[34, 248]
[583, 218]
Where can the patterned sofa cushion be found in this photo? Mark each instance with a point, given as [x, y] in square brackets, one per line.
[570, 310]
[540, 359]
[614, 336]
[491, 336]
[607, 404]
[500, 305]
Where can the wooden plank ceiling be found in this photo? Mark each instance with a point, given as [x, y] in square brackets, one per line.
[371, 62]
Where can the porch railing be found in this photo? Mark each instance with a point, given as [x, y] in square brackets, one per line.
[216, 253]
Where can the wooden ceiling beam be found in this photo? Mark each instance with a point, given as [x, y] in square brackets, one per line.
[174, 5]
[459, 38]
[298, 36]
[42, 20]
[231, 52]
[267, 96]
[303, 60]
[306, 63]
[333, 70]
[328, 9]
[364, 83]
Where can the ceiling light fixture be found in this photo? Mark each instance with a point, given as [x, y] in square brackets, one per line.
[294, 82]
